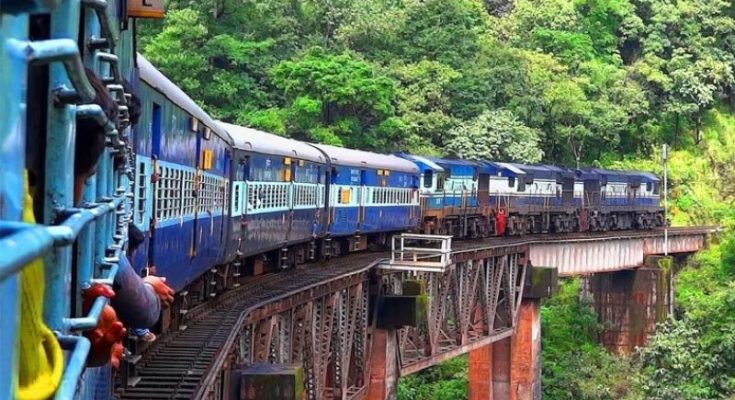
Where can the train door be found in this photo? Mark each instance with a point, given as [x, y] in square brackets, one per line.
[156, 133]
[244, 176]
[415, 192]
[361, 194]
[225, 187]
[199, 192]
[289, 177]
[634, 190]
[592, 193]
[567, 191]
[483, 189]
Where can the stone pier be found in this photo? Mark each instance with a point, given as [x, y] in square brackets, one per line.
[630, 303]
[510, 369]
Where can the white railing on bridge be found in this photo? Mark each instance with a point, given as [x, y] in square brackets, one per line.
[415, 252]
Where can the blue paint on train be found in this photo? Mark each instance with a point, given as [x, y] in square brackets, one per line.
[182, 252]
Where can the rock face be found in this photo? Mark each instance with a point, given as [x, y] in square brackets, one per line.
[499, 8]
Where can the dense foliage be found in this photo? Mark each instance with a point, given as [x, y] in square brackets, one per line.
[574, 365]
[599, 82]
[566, 80]
[445, 381]
[691, 357]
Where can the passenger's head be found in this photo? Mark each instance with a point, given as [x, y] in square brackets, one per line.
[135, 238]
[90, 140]
[133, 104]
[133, 115]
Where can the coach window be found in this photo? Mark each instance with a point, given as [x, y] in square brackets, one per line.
[649, 186]
[244, 170]
[156, 122]
[655, 188]
[511, 181]
[440, 182]
[333, 178]
[428, 178]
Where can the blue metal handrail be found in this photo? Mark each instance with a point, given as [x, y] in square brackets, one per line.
[79, 347]
[99, 227]
[57, 50]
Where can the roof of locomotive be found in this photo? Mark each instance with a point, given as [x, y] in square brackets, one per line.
[358, 158]
[443, 164]
[157, 80]
[423, 163]
[250, 139]
[511, 168]
[541, 171]
[618, 176]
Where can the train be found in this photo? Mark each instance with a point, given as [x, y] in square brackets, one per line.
[218, 202]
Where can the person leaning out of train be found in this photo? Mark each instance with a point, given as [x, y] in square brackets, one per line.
[135, 239]
[135, 302]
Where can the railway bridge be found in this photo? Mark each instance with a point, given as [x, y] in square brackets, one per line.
[349, 328]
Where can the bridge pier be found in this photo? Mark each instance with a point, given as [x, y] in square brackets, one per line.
[384, 367]
[630, 303]
[510, 369]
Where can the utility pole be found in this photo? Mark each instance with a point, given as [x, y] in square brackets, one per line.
[665, 159]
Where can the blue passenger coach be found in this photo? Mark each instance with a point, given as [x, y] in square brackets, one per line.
[369, 193]
[278, 192]
[181, 172]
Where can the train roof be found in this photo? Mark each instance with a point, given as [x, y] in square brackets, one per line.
[512, 169]
[442, 164]
[257, 141]
[544, 171]
[157, 80]
[618, 176]
[423, 163]
[358, 158]
[482, 167]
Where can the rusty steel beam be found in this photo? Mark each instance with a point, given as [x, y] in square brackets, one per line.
[473, 302]
[457, 351]
[324, 329]
[586, 256]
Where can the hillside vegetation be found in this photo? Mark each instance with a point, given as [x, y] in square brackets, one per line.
[588, 82]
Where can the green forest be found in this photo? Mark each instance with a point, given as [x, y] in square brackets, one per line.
[574, 82]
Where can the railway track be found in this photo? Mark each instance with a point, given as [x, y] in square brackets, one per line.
[174, 367]
[177, 365]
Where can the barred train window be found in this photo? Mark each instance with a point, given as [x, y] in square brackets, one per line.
[236, 197]
[206, 193]
[168, 201]
[219, 200]
[305, 195]
[187, 194]
[142, 178]
[267, 195]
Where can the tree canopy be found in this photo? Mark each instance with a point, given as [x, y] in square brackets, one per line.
[580, 80]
